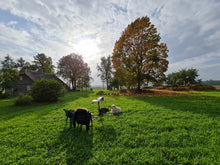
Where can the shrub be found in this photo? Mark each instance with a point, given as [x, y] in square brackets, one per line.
[46, 90]
[2, 95]
[101, 93]
[23, 100]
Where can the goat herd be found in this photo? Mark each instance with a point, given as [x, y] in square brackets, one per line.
[84, 117]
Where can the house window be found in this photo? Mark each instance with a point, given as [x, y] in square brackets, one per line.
[28, 88]
[21, 78]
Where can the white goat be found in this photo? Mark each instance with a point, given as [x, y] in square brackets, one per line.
[115, 109]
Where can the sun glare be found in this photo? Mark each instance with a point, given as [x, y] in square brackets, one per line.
[86, 47]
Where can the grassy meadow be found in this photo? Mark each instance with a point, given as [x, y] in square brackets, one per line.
[151, 130]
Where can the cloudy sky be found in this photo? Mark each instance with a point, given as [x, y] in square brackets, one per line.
[191, 29]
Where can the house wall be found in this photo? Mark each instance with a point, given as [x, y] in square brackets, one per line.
[23, 85]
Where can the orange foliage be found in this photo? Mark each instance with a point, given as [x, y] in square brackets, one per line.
[138, 56]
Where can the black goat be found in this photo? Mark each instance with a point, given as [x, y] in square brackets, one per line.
[82, 116]
[69, 114]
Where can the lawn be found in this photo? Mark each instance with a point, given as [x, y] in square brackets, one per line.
[151, 130]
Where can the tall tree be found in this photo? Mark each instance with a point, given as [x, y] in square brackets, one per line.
[8, 73]
[20, 62]
[8, 77]
[84, 81]
[86, 78]
[1, 81]
[138, 57]
[105, 70]
[73, 69]
[8, 63]
[22, 65]
[43, 63]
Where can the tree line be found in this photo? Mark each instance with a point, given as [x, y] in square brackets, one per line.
[71, 68]
[211, 82]
[181, 77]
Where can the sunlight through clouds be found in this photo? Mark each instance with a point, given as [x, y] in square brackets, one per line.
[86, 47]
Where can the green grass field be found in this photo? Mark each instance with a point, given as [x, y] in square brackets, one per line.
[151, 130]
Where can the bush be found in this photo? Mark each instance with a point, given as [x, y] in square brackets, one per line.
[2, 95]
[23, 100]
[46, 90]
[101, 93]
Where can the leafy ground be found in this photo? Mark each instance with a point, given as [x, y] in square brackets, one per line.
[151, 130]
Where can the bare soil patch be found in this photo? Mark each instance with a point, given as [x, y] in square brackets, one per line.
[174, 90]
[157, 92]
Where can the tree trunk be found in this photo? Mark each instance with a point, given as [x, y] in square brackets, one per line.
[107, 84]
[74, 82]
[139, 86]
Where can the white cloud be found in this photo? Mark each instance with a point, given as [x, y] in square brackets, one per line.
[12, 23]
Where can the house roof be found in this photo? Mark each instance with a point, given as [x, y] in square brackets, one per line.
[37, 76]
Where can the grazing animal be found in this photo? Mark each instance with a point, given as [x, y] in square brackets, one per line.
[82, 116]
[69, 114]
[115, 109]
[103, 111]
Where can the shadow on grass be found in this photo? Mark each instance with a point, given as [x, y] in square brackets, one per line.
[80, 145]
[9, 111]
[208, 105]
[105, 133]
[77, 144]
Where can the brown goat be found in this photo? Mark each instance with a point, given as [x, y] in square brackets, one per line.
[103, 111]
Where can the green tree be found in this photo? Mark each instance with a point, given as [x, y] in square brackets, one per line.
[8, 77]
[22, 65]
[114, 83]
[183, 77]
[8, 73]
[138, 57]
[8, 63]
[1, 81]
[105, 70]
[43, 63]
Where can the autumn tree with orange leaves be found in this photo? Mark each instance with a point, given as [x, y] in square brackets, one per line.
[138, 57]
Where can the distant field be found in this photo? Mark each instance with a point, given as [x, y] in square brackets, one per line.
[182, 129]
[217, 86]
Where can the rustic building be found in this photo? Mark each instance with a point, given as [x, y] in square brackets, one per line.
[26, 79]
